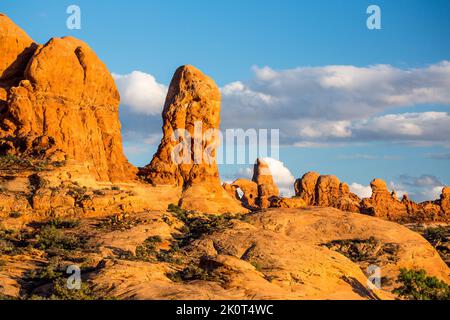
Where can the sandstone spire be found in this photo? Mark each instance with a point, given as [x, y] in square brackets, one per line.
[267, 188]
[62, 104]
[191, 111]
[186, 156]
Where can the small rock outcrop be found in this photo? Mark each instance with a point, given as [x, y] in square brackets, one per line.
[244, 190]
[59, 103]
[383, 203]
[267, 188]
[186, 156]
[326, 191]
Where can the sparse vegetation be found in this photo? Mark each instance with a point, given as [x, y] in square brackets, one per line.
[79, 194]
[118, 222]
[190, 273]
[417, 285]
[10, 162]
[59, 223]
[439, 237]
[53, 273]
[15, 214]
[147, 250]
[195, 226]
[364, 250]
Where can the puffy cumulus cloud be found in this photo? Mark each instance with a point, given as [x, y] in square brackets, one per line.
[282, 176]
[141, 92]
[422, 188]
[360, 190]
[425, 126]
[316, 106]
[331, 103]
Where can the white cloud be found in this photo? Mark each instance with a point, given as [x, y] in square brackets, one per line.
[282, 176]
[331, 103]
[141, 92]
[320, 106]
[423, 188]
[434, 126]
[360, 190]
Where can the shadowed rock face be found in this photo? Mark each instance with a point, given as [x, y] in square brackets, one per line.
[249, 191]
[62, 104]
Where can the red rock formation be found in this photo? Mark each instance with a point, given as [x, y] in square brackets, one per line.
[62, 104]
[382, 203]
[445, 201]
[193, 99]
[326, 191]
[266, 186]
[249, 191]
[305, 187]
[186, 156]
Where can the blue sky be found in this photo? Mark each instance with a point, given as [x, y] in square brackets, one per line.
[232, 41]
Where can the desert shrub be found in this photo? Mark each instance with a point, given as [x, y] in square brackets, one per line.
[364, 250]
[59, 223]
[195, 226]
[53, 270]
[15, 214]
[190, 273]
[79, 194]
[115, 188]
[51, 239]
[417, 285]
[118, 222]
[147, 250]
[54, 273]
[437, 235]
[13, 242]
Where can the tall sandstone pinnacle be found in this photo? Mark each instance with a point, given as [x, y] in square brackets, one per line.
[267, 189]
[186, 156]
[59, 102]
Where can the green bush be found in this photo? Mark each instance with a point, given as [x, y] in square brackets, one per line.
[147, 250]
[50, 238]
[64, 223]
[417, 285]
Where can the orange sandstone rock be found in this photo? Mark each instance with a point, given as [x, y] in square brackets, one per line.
[65, 107]
[266, 186]
[326, 191]
[186, 156]
[193, 102]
